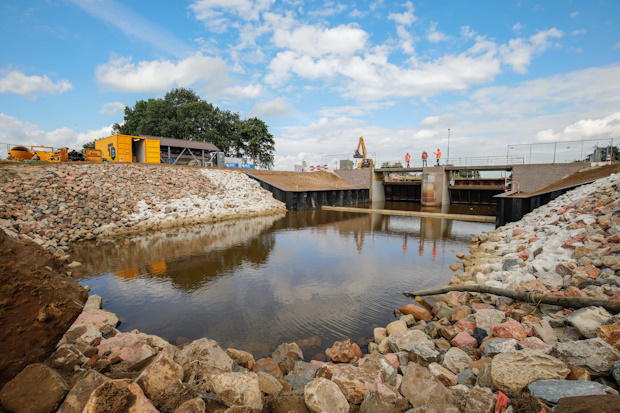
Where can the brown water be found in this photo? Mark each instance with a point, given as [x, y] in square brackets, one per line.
[313, 277]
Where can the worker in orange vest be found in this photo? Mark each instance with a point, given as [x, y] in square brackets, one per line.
[438, 153]
[424, 158]
[407, 158]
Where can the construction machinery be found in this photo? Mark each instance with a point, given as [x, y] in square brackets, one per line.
[365, 162]
[45, 153]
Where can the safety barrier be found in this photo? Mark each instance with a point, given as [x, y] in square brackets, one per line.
[318, 168]
[512, 186]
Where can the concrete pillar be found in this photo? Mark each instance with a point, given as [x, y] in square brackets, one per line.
[377, 193]
[435, 181]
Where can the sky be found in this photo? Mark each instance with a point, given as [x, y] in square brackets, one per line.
[321, 74]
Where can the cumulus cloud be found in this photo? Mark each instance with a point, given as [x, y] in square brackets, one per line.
[361, 109]
[518, 27]
[607, 127]
[274, 108]
[30, 86]
[518, 53]
[435, 36]
[406, 40]
[317, 41]
[112, 108]
[617, 45]
[121, 74]
[244, 92]
[406, 18]
[468, 32]
[216, 14]
[12, 130]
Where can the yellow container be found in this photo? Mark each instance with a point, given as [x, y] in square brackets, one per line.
[124, 148]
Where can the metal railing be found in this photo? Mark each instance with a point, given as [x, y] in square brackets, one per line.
[587, 150]
[468, 161]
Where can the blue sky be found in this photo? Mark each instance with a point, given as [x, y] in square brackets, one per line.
[320, 73]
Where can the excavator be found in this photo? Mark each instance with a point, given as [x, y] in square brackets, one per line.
[366, 162]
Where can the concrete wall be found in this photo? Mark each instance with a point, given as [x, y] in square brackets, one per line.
[535, 177]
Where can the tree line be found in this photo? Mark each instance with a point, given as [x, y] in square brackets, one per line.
[182, 114]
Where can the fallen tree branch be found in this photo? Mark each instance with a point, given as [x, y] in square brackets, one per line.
[530, 297]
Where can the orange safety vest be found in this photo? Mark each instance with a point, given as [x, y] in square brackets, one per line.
[407, 157]
[438, 154]
[424, 155]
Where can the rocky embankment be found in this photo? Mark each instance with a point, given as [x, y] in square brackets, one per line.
[58, 205]
[457, 355]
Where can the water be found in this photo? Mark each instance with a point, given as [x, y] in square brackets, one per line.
[312, 277]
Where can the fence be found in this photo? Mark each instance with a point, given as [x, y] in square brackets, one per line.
[469, 161]
[588, 150]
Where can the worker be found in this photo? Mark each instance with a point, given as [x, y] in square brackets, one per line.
[424, 158]
[438, 153]
[407, 158]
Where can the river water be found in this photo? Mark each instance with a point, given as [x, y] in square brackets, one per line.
[313, 277]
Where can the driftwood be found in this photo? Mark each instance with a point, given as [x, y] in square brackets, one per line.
[530, 297]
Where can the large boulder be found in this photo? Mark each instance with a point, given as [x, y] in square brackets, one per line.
[77, 398]
[587, 320]
[551, 391]
[421, 388]
[287, 350]
[119, 396]
[456, 360]
[38, 303]
[36, 389]
[382, 399]
[238, 389]
[595, 355]
[341, 352]
[512, 372]
[405, 340]
[355, 382]
[324, 396]
[125, 346]
[161, 379]
[202, 358]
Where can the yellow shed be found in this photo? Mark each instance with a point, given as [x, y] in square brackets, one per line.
[128, 148]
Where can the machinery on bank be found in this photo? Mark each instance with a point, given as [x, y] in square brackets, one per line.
[365, 161]
[50, 154]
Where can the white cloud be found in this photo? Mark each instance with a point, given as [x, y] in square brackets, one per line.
[328, 9]
[607, 127]
[273, 108]
[120, 74]
[518, 53]
[578, 32]
[406, 40]
[29, 86]
[617, 45]
[518, 27]
[12, 130]
[112, 108]
[216, 14]
[468, 32]
[406, 18]
[574, 14]
[435, 36]
[244, 92]
[356, 14]
[317, 41]
[357, 110]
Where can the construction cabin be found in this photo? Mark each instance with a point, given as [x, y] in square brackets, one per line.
[155, 149]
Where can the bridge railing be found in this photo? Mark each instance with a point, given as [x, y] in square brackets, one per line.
[469, 161]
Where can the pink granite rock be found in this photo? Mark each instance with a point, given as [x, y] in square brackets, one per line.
[470, 325]
[392, 358]
[509, 329]
[574, 292]
[464, 339]
[445, 376]
[518, 232]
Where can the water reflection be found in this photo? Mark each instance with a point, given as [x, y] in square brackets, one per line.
[313, 276]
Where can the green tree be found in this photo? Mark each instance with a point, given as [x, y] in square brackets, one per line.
[89, 145]
[256, 141]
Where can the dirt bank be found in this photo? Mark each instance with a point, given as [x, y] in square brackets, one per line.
[302, 181]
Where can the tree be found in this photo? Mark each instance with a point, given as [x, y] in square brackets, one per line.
[182, 114]
[89, 145]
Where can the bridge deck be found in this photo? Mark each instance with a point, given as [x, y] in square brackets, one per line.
[450, 168]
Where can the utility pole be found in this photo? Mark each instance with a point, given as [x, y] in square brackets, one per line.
[448, 158]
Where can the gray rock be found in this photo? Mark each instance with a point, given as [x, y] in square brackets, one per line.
[287, 350]
[497, 345]
[594, 354]
[467, 377]
[75, 401]
[487, 318]
[510, 263]
[615, 371]
[36, 389]
[456, 360]
[405, 340]
[424, 353]
[93, 303]
[302, 374]
[586, 320]
[550, 391]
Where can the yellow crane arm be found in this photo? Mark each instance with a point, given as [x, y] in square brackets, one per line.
[357, 151]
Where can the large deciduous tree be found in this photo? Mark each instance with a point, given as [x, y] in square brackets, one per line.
[181, 114]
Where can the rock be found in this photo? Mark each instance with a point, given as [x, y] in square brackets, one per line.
[578, 373]
[464, 339]
[480, 400]
[445, 376]
[93, 303]
[380, 399]
[269, 384]
[37, 388]
[354, 382]
[287, 350]
[161, 379]
[611, 334]
[119, 395]
[77, 398]
[287, 403]
[587, 404]
[195, 405]
[594, 354]
[509, 329]
[587, 320]
[301, 374]
[381, 363]
[327, 370]
[456, 360]
[423, 353]
[242, 358]
[343, 351]
[238, 389]
[457, 298]
[322, 395]
[126, 346]
[551, 391]
[514, 371]
[421, 388]
[202, 358]
[466, 377]
[487, 318]
[496, 345]
[534, 343]
[409, 319]
[405, 340]
[417, 312]
[543, 331]
[396, 326]
[380, 334]
[269, 366]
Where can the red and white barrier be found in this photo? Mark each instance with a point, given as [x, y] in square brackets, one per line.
[318, 168]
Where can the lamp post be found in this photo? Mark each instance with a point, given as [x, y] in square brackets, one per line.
[448, 157]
